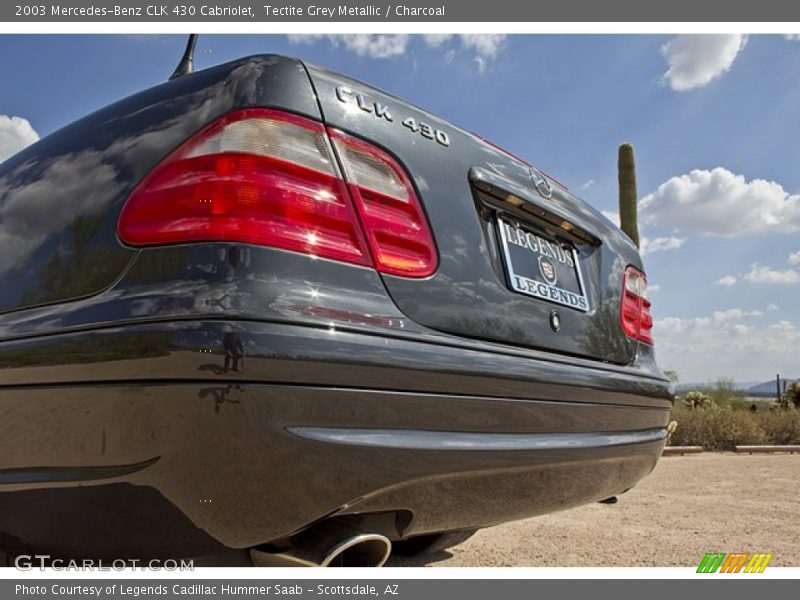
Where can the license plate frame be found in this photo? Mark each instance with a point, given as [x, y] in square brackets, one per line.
[541, 265]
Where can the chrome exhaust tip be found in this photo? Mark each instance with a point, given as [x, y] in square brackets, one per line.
[364, 550]
[328, 545]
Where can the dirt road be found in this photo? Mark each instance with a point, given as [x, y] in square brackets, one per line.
[689, 505]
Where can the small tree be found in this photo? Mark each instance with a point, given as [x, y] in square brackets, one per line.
[724, 391]
[791, 396]
[698, 401]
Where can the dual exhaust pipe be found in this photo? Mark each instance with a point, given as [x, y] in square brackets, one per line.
[329, 544]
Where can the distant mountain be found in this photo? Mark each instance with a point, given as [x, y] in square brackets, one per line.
[750, 388]
[767, 388]
[738, 385]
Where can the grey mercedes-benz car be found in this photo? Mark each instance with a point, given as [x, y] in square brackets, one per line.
[264, 306]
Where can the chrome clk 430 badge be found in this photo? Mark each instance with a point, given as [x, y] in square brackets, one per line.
[369, 106]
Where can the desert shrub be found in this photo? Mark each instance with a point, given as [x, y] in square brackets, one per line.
[791, 397]
[739, 428]
[698, 400]
[724, 392]
[719, 429]
[742, 404]
[781, 426]
[725, 427]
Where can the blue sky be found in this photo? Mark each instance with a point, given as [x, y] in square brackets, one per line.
[715, 121]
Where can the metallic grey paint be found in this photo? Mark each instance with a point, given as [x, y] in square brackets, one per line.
[207, 356]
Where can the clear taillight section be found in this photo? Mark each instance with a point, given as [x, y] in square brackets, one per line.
[396, 227]
[635, 317]
[270, 178]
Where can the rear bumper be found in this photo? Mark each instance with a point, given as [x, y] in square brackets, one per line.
[168, 450]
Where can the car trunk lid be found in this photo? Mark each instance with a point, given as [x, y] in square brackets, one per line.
[522, 261]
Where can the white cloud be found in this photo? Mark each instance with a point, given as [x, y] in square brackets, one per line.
[734, 342]
[653, 287]
[719, 202]
[728, 280]
[305, 38]
[434, 40]
[696, 60]
[718, 318]
[793, 37]
[770, 276]
[647, 245]
[374, 45]
[15, 134]
[484, 48]
[586, 185]
[487, 45]
[660, 244]
[772, 307]
[767, 275]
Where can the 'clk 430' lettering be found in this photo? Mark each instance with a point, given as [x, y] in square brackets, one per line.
[381, 111]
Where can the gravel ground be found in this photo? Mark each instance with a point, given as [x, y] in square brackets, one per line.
[689, 505]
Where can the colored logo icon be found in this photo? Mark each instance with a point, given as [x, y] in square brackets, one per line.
[735, 562]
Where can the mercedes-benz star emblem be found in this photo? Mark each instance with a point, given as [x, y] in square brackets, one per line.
[540, 183]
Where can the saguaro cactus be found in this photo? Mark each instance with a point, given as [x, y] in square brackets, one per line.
[626, 175]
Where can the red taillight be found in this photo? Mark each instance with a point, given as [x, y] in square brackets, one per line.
[256, 176]
[269, 178]
[635, 317]
[396, 227]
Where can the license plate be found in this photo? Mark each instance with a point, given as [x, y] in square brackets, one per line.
[542, 267]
